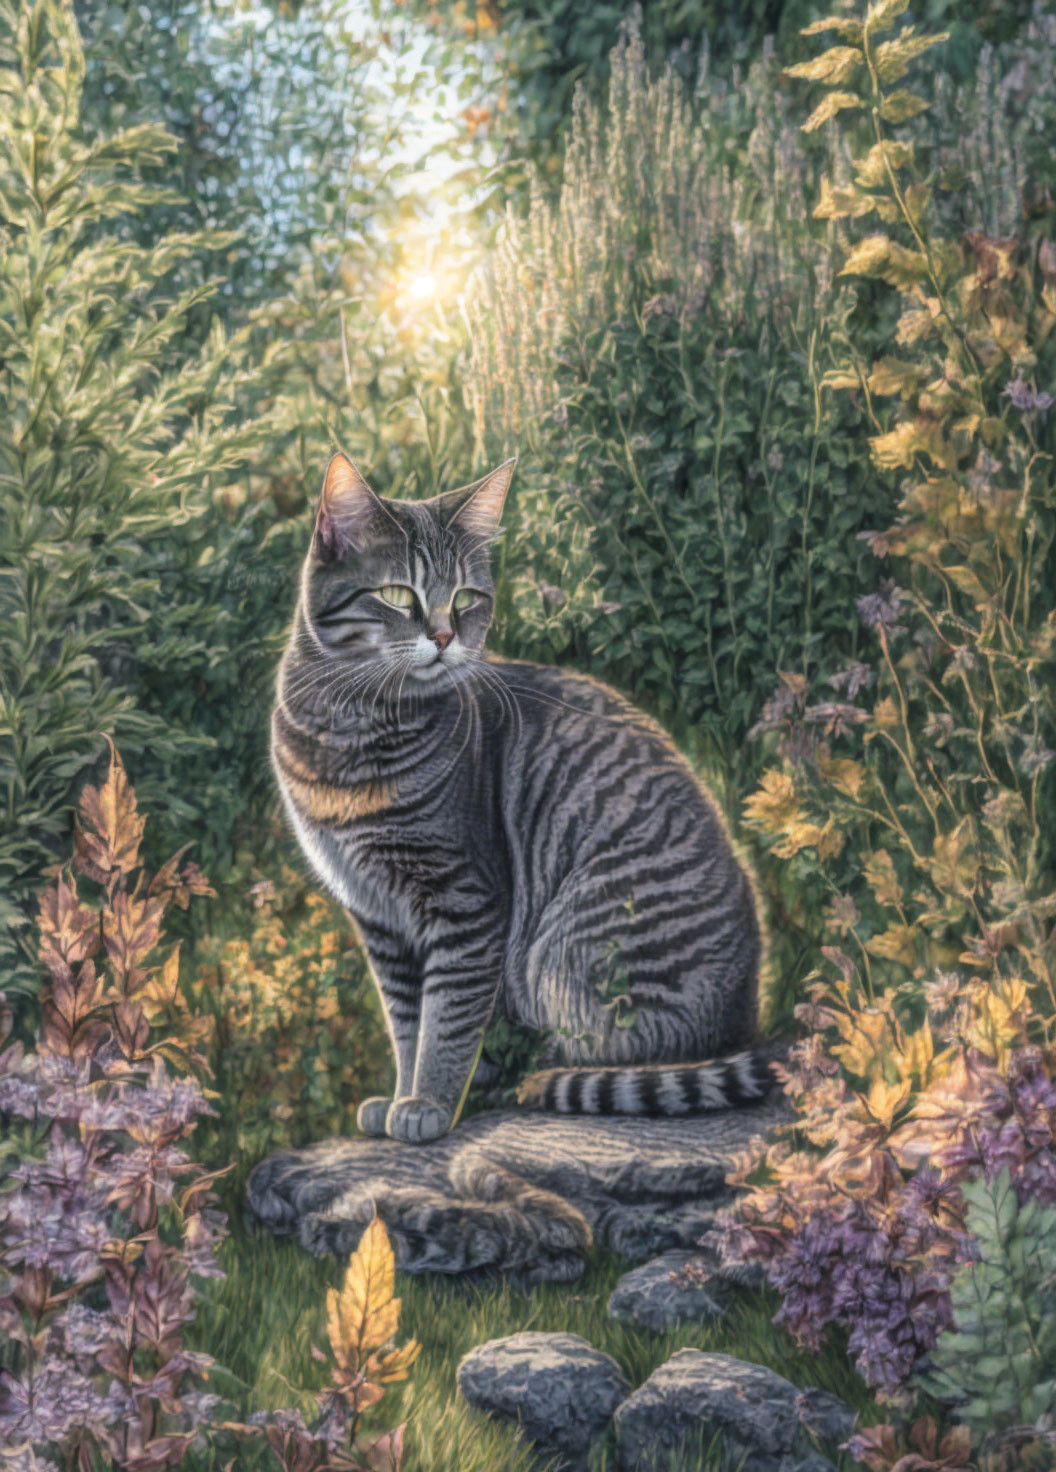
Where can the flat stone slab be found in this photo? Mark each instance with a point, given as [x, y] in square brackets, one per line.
[561, 1389]
[760, 1415]
[679, 1287]
[514, 1191]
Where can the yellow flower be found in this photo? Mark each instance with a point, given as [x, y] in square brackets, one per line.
[774, 807]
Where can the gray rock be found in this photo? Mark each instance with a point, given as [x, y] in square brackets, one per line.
[830, 1418]
[759, 1414]
[515, 1192]
[661, 1293]
[561, 1389]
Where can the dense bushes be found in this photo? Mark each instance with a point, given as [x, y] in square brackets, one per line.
[121, 606]
[687, 518]
[930, 1058]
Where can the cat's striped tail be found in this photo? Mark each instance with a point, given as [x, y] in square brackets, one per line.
[651, 1088]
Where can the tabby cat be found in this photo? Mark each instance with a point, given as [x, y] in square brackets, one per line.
[504, 835]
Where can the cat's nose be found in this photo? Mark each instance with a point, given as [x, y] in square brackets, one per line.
[442, 638]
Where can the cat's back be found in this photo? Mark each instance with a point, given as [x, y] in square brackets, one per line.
[577, 744]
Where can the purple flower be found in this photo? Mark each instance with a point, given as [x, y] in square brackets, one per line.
[59, 1400]
[849, 681]
[881, 609]
[1027, 399]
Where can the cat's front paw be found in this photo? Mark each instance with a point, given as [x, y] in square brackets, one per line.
[417, 1120]
[371, 1116]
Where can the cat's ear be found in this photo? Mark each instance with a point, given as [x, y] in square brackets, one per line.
[349, 512]
[477, 509]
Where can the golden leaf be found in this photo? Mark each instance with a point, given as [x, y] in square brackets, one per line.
[844, 204]
[846, 776]
[161, 991]
[914, 1057]
[897, 448]
[362, 1319]
[884, 1100]
[954, 864]
[892, 58]
[108, 842]
[887, 260]
[867, 1041]
[900, 106]
[773, 806]
[896, 943]
[892, 376]
[886, 155]
[828, 107]
[967, 579]
[840, 378]
[837, 65]
[850, 30]
[881, 15]
[885, 713]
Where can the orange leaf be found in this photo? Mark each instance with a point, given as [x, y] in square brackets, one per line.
[108, 842]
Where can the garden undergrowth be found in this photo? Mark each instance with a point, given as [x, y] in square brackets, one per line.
[261, 1321]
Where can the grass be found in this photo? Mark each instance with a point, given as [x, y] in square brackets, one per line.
[261, 1321]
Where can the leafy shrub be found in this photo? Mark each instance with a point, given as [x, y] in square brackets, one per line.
[295, 1033]
[655, 339]
[998, 1364]
[930, 1059]
[121, 606]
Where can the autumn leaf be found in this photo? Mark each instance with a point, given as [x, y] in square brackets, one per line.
[69, 931]
[882, 879]
[362, 1320]
[107, 838]
[774, 806]
[897, 943]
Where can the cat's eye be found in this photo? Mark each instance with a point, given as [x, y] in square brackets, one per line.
[398, 595]
[465, 598]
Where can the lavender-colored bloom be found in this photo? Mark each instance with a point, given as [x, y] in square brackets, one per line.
[881, 609]
[60, 1399]
[983, 471]
[1027, 399]
[87, 1331]
[849, 681]
[1034, 757]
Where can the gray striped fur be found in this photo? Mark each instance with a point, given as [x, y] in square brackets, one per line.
[505, 835]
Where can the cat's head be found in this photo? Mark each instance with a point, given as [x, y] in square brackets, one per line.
[403, 584]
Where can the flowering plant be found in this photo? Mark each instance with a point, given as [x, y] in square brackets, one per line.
[105, 1221]
[929, 1060]
[295, 1035]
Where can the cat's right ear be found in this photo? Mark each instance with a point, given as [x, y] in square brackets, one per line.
[349, 514]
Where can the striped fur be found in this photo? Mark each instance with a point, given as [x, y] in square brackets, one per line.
[505, 835]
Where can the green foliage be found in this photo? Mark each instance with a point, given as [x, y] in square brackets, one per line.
[943, 841]
[997, 1365]
[117, 608]
[687, 511]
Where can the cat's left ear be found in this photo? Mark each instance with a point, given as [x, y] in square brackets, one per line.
[349, 512]
[477, 508]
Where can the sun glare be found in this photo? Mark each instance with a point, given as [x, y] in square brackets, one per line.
[422, 286]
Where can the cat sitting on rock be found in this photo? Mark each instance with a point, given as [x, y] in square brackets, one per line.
[500, 830]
